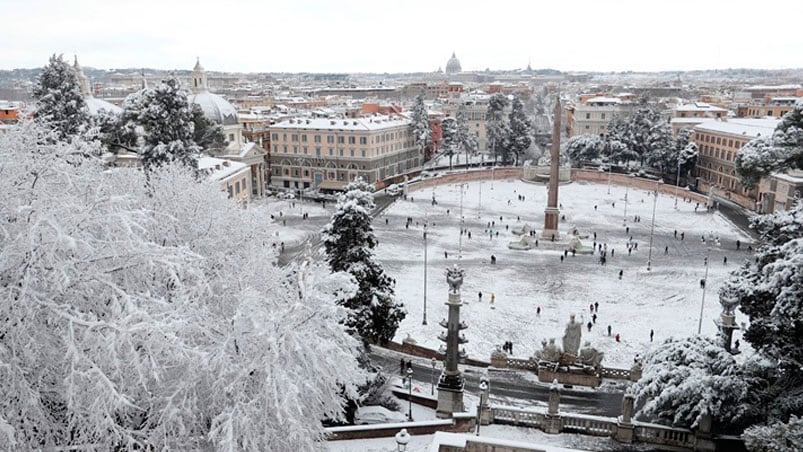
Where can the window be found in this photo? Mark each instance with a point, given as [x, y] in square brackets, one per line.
[303, 138]
[730, 143]
[352, 152]
[318, 151]
[306, 173]
[362, 152]
[284, 149]
[341, 140]
[363, 140]
[228, 188]
[295, 149]
[293, 137]
[352, 140]
[317, 138]
[603, 116]
[331, 151]
[231, 137]
[275, 148]
[588, 115]
[274, 136]
[330, 139]
[341, 152]
[237, 187]
[304, 149]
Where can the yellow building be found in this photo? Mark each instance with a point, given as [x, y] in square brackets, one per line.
[329, 153]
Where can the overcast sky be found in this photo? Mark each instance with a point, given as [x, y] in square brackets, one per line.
[404, 35]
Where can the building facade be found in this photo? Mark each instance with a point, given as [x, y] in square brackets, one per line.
[718, 143]
[329, 153]
[593, 116]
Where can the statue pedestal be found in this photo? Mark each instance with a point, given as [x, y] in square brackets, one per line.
[573, 377]
[624, 431]
[450, 396]
[551, 215]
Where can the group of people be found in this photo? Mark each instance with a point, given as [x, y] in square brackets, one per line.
[507, 347]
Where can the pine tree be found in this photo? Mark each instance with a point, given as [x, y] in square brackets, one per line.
[349, 242]
[59, 102]
[782, 151]
[466, 139]
[451, 139]
[521, 130]
[164, 114]
[206, 134]
[775, 437]
[498, 129]
[420, 122]
[584, 148]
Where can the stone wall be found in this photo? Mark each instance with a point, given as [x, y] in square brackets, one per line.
[468, 176]
[636, 182]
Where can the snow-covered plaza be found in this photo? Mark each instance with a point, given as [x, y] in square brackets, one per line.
[666, 299]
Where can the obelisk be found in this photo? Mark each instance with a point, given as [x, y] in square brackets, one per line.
[551, 213]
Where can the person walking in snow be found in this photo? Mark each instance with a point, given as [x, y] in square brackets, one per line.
[652, 333]
[480, 296]
[609, 330]
[596, 306]
[589, 326]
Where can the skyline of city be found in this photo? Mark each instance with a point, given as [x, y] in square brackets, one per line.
[357, 36]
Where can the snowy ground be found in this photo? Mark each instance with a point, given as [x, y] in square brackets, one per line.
[666, 299]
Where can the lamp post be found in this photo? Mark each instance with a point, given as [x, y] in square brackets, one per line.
[432, 377]
[610, 169]
[424, 322]
[410, 393]
[705, 287]
[402, 438]
[677, 186]
[652, 229]
[483, 388]
[627, 189]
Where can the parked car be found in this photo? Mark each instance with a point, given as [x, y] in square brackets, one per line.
[394, 190]
[377, 415]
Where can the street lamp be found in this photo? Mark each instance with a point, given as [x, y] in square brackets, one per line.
[705, 287]
[677, 186]
[610, 169]
[410, 393]
[402, 438]
[424, 322]
[483, 388]
[627, 189]
[432, 377]
[652, 228]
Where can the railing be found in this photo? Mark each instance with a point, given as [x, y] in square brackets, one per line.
[610, 372]
[519, 363]
[588, 426]
[516, 416]
[659, 434]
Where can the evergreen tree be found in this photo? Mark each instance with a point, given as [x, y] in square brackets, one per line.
[59, 101]
[112, 131]
[498, 129]
[466, 139]
[420, 123]
[206, 134]
[780, 152]
[583, 148]
[521, 131]
[349, 242]
[451, 140]
[166, 120]
[644, 134]
[685, 379]
[775, 437]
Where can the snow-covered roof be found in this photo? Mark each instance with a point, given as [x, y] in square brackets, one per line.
[215, 108]
[357, 124]
[771, 87]
[95, 105]
[794, 176]
[699, 106]
[604, 100]
[220, 169]
[748, 127]
[688, 120]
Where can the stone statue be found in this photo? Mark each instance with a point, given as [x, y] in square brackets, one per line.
[549, 352]
[728, 303]
[590, 356]
[454, 276]
[571, 336]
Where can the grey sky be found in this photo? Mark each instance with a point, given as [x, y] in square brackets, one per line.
[404, 35]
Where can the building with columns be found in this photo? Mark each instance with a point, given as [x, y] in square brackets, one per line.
[329, 153]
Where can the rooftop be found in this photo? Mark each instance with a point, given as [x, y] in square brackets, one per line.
[699, 106]
[741, 126]
[356, 124]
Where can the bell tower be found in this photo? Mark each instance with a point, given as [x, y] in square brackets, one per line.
[198, 77]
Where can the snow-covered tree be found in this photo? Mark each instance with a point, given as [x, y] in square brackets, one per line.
[419, 117]
[451, 140]
[349, 239]
[775, 437]
[59, 102]
[583, 148]
[780, 152]
[206, 134]
[685, 379]
[497, 127]
[134, 318]
[644, 133]
[166, 120]
[467, 140]
[769, 290]
[112, 131]
[521, 130]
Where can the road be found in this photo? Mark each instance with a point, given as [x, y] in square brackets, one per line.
[510, 387]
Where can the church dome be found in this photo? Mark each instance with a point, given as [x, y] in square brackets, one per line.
[215, 108]
[453, 65]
